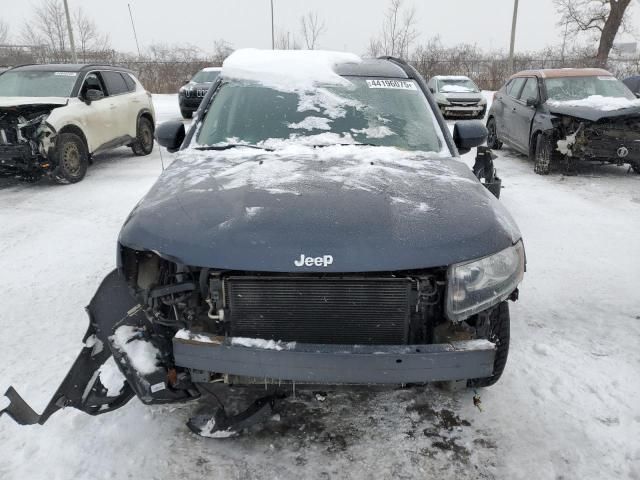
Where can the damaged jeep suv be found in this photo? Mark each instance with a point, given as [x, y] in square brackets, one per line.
[316, 227]
[54, 118]
[559, 116]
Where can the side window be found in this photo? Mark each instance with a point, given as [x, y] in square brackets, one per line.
[131, 85]
[115, 83]
[530, 89]
[91, 82]
[515, 86]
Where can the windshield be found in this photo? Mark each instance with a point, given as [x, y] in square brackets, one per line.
[452, 85]
[204, 76]
[578, 88]
[364, 111]
[37, 84]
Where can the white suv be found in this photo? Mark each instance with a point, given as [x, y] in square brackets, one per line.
[54, 118]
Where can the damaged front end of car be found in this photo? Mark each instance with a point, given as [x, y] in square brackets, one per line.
[27, 141]
[612, 140]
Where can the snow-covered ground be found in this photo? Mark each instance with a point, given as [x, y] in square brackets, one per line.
[567, 406]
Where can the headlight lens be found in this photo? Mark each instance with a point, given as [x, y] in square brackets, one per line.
[477, 285]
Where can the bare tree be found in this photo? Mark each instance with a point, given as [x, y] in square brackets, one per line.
[4, 32]
[312, 28]
[286, 41]
[221, 50]
[398, 31]
[90, 40]
[47, 26]
[602, 18]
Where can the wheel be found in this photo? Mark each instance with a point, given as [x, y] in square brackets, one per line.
[498, 334]
[186, 114]
[492, 138]
[143, 145]
[636, 167]
[543, 155]
[71, 159]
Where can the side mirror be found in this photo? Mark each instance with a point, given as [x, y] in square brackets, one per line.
[468, 134]
[170, 135]
[532, 102]
[432, 90]
[92, 95]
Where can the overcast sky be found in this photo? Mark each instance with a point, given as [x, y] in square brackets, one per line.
[350, 23]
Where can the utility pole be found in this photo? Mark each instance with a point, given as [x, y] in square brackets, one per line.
[273, 41]
[73, 45]
[513, 35]
[134, 30]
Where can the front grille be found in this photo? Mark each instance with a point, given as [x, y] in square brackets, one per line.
[320, 310]
[463, 101]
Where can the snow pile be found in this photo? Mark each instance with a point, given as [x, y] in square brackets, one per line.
[184, 334]
[111, 377]
[287, 70]
[597, 102]
[312, 123]
[262, 343]
[95, 343]
[141, 353]
[209, 431]
[455, 89]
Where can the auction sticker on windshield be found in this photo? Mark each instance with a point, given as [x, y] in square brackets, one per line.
[395, 84]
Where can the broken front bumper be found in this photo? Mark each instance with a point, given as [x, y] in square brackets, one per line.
[340, 364]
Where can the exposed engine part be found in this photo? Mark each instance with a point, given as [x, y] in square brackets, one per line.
[610, 140]
[25, 141]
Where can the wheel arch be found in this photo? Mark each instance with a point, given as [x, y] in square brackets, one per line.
[146, 113]
[70, 128]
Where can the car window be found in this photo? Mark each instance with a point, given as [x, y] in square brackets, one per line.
[577, 88]
[91, 82]
[34, 83]
[515, 86]
[530, 89]
[115, 83]
[131, 85]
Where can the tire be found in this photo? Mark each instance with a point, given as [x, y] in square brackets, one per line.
[635, 167]
[499, 331]
[186, 114]
[71, 157]
[492, 138]
[543, 155]
[143, 145]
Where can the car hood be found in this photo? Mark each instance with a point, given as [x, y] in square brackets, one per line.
[370, 208]
[592, 114]
[48, 102]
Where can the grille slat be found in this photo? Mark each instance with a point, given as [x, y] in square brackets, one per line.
[320, 310]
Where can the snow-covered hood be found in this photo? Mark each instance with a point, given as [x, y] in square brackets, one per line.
[595, 108]
[51, 102]
[370, 208]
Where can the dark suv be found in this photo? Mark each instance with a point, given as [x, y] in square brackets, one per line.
[191, 94]
[312, 230]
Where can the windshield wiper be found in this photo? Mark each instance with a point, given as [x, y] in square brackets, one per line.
[227, 146]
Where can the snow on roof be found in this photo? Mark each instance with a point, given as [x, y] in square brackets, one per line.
[597, 102]
[287, 70]
[211, 69]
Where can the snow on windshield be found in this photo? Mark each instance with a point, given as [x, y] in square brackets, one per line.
[453, 88]
[597, 102]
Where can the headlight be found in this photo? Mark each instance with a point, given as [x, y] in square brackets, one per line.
[442, 100]
[477, 285]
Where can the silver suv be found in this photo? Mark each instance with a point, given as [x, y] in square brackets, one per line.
[458, 96]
